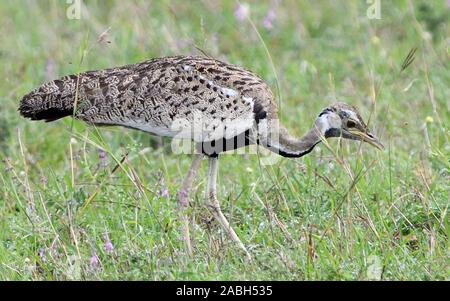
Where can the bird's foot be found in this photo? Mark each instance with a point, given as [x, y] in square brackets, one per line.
[218, 215]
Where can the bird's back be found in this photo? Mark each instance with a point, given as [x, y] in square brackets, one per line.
[191, 97]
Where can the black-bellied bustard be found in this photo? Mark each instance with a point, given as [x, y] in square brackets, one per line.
[219, 106]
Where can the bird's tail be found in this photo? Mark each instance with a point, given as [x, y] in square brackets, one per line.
[49, 102]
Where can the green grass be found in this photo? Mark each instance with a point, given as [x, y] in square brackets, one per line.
[346, 211]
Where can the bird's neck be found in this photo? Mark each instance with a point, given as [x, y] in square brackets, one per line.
[277, 139]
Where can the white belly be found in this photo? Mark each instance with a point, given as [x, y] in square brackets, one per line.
[197, 128]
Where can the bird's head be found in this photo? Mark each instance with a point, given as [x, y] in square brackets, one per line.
[343, 120]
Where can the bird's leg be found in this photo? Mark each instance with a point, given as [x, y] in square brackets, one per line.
[183, 200]
[214, 206]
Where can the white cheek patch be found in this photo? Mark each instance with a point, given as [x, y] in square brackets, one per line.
[334, 121]
[328, 121]
[323, 124]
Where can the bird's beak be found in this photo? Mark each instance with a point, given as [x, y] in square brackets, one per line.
[367, 137]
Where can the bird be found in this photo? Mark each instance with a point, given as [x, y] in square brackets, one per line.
[217, 105]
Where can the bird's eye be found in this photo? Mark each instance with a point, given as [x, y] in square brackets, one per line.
[351, 124]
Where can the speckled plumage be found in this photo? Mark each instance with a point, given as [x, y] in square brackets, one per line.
[162, 96]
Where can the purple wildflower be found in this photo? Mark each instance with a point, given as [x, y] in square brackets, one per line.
[49, 69]
[183, 200]
[41, 254]
[93, 260]
[102, 157]
[269, 18]
[107, 245]
[162, 191]
[241, 12]
[43, 179]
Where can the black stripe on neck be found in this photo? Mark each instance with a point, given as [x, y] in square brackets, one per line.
[294, 155]
[259, 112]
[325, 111]
[332, 133]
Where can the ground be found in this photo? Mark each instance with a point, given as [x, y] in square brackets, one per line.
[346, 211]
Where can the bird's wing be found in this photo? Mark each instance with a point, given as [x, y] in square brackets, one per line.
[189, 97]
